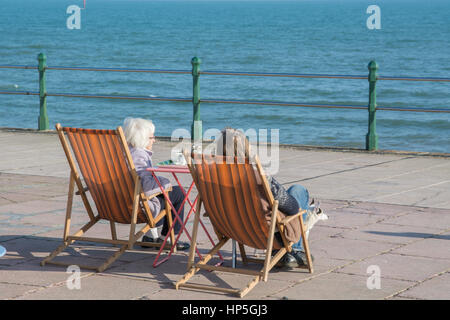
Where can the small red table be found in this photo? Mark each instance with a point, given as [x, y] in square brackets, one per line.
[174, 169]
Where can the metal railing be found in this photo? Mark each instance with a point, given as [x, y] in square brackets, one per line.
[196, 128]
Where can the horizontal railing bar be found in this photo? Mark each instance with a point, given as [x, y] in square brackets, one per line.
[329, 76]
[103, 96]
[235, 73]
[413, 109]
[271, 103]
[435, 79]
[292, 75]
[276, 103]
[317, 105]
[20, 93]
[120, 70]
[17, 67]
[98, 69]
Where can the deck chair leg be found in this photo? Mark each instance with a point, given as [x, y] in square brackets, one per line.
[170, 222]
[194, 235]
[55, 253]
[243, 254]
[69, 207]
[249, 286]
[66, 223]
[113, 231]
[68, 242]
[270, 241]
[193, 270]
[306, 245]
[137, 190]
[113, 258]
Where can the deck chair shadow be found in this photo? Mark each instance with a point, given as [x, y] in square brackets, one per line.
[115, 188]
[240, 205]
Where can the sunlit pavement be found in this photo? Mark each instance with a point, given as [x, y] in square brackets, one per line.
[386, 237]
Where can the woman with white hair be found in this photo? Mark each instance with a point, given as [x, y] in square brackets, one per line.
[140, 136]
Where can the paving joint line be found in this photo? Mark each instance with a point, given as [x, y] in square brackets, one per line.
[348, 264]
[387, 278]
[409, 190]
[41, 288]
[416, 284]
[412, 171]
[348, 170]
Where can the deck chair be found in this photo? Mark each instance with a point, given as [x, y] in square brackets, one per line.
[108, 171]
[233, 194]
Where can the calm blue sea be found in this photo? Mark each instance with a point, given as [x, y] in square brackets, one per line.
[257, 36]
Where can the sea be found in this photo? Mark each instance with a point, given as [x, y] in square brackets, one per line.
[411, 39]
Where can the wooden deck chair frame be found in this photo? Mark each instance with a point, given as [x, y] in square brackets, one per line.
[139, 205]
[268, 263]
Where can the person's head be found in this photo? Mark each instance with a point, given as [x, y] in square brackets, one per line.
[139, 133]
[233, 142]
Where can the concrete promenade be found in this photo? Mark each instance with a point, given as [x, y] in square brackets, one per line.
[388, 210]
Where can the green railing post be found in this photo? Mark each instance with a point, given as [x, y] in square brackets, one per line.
[196, 129]
[372, 137]
[43, 118]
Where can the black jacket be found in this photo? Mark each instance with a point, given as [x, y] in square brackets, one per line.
[286, 203]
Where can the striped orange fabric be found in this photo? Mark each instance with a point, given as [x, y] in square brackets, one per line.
[233, 199]
[106, 172]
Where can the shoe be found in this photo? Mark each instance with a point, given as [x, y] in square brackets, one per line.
[314, 204]
[182, 246]
[147, 239]
[288, 261]
[294, 259]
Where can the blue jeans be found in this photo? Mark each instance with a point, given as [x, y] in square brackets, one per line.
[300, 194]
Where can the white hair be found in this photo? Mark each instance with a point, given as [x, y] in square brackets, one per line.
[138, 131]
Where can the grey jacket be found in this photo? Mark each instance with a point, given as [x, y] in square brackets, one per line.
[142, 159]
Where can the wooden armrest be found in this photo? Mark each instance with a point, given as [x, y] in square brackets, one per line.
[290, 218]
[156, 194]
[85, 189]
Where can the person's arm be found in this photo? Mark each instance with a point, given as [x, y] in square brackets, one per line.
[149, 185]
[286, 203]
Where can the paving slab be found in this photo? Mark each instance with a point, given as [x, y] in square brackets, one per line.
[33, 274]
[400, 267]
[10, 291]
[11, 231]
[348, 219]
[32, 207]
[29, 248]
[348, 249]
[111, 289]
[423, 219]
[437, 288]
[169, 271]
[383, 208]
[436, 247]
[321, 231]
[390, 233]
[338, 286]
[235, 281]
[389, 210]
[321, 267]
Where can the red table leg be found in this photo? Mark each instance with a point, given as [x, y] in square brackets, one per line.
[193, 206]
[177, 217]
